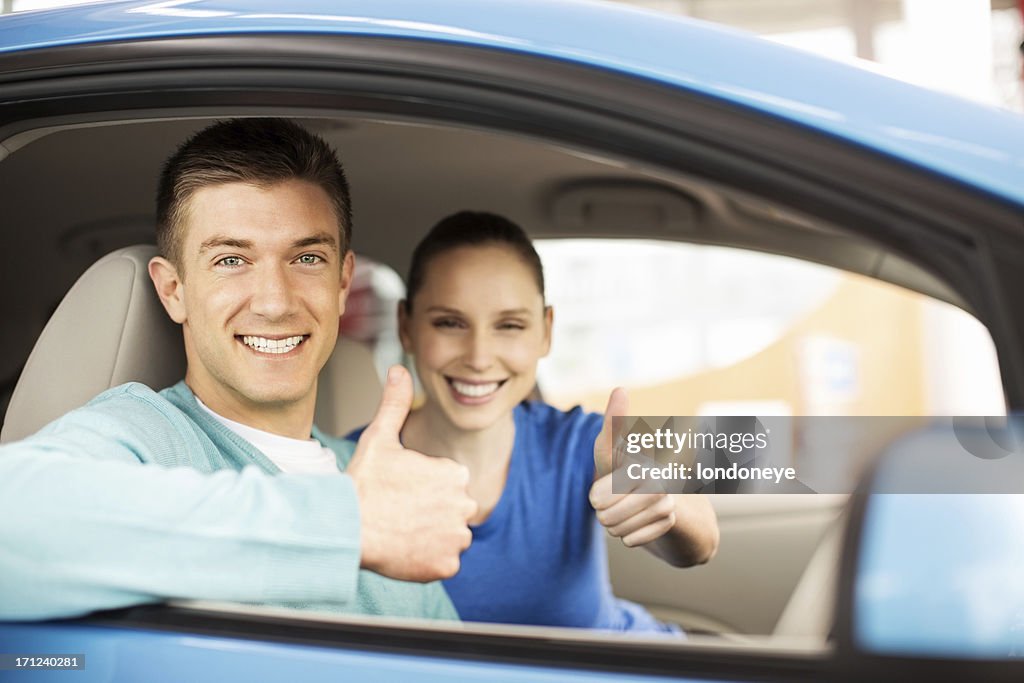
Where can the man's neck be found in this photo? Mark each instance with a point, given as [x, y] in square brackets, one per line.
[292, 419]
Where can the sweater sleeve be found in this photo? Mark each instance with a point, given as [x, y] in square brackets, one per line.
[86, 525]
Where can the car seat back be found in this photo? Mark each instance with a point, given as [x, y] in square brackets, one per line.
[810, 611]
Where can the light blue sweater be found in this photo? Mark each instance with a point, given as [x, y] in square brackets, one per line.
[141, 496]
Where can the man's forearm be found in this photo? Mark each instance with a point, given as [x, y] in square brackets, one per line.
[79, 534]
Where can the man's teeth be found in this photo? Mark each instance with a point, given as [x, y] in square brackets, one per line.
[264, 345]
[475, 390]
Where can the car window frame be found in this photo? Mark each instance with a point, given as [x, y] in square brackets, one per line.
[968, 232]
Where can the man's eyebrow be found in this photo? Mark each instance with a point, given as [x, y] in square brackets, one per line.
[224, 241]
[324, 238]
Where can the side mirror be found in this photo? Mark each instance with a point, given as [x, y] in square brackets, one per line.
[933, 582]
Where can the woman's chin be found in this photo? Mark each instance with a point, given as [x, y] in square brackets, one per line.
[475, 418]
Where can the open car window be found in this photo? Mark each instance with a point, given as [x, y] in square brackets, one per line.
[691, 328]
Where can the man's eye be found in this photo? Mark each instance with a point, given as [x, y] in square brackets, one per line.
[310, 259]
[230, 261]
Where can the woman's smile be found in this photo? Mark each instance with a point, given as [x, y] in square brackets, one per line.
[475, 392]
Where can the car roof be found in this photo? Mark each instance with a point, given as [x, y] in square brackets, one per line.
[977, 145]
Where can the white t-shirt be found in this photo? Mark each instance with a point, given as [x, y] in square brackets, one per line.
[293, 456]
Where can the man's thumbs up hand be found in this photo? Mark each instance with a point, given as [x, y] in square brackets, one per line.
[414, 509]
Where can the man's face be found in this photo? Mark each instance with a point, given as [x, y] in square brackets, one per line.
[259, 291]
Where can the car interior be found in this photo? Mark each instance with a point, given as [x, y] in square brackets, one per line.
[82, 316]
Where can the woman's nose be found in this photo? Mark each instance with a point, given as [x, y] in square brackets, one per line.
[480, 351]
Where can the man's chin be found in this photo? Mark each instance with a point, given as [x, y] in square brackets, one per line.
[271, 399]
[271, 396]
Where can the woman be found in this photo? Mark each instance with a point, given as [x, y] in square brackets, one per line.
[475, 322]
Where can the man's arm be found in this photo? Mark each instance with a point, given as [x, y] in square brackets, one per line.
[84, 525]
[79, 534]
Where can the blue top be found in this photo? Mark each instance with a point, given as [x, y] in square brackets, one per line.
[977, 145]
[540, 557]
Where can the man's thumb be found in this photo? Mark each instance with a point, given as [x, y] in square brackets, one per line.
[395, 403]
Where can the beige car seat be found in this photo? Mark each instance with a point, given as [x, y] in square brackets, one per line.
[111, 328]
[810, 611]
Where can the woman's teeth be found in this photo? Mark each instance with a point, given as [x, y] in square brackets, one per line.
[264, 345]
[475, 390]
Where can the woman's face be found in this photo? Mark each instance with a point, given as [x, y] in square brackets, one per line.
[477, 328]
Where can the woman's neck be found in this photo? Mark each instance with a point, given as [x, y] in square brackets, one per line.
[429, 431]
[486, 453]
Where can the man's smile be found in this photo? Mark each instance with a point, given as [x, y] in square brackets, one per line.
[276, 345]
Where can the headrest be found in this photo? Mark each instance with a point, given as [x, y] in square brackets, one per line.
[109, 329]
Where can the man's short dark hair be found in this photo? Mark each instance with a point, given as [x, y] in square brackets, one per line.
[261, 152]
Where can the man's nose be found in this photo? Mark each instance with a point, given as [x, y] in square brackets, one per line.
[274, 295]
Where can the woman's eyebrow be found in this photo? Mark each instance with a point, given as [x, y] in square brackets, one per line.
[507, 311]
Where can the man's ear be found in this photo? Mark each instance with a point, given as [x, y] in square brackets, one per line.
[348, 268]
[169, 287]
[549, 319]
[403, 327]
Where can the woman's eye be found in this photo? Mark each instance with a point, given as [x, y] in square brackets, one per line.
[230, 261]
[310, 259]
[511, 325]
[447, 323]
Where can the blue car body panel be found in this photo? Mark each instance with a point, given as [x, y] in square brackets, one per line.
[976, 145]
[152, 656]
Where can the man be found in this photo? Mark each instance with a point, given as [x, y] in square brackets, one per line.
[214, 488]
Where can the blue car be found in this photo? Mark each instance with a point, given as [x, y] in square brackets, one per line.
[729, 227]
